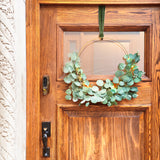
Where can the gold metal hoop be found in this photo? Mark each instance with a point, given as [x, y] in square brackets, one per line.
[101, 40]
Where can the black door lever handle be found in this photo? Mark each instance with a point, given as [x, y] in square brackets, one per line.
[46, 132]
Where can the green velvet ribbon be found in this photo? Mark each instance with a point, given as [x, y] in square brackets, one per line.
[101, 21]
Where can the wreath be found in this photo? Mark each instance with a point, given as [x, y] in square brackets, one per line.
[106, 92]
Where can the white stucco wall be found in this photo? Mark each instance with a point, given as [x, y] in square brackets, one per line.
[12, 80]
[20, 50]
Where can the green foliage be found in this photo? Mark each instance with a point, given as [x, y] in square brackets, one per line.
[105, 92]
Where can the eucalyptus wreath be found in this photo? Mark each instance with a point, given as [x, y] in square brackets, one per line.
[106, 92]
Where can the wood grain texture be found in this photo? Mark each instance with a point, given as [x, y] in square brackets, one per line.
[33, 91]
[109, 2]
[48, 67]
[73, 125]
[101, 134]
[155, 85]
[113, 15]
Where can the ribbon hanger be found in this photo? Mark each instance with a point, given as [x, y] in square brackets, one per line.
[101, 21]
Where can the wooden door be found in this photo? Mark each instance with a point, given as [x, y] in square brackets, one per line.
[127, 131]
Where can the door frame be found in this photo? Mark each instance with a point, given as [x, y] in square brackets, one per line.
[33, 72]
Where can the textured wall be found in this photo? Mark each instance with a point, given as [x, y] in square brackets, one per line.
[7, 80]
[12, 80]
[20, 49]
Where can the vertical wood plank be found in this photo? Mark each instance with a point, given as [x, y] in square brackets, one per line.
[33, 97]
[155, 84]
[48, 67]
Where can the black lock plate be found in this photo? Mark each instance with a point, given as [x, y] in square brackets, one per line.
[46, 152]
[46, 128]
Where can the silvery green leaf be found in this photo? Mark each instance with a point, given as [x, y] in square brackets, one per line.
[75, 99]
[116, 80]
[121, 66]
[100, 83]
[134, 89]
[134, 95]
[121, 83]
[80, 94]
[68, 91]
[113, 99]
[109, 104]
[85, 89]
[87, 98]
[67, 80]
[87, 104]
[77, 83]
[129, 60]
[74, 75]
[132, 56]
[73, 56]
[93, 99]
[108, 81]
[136, 80]
[129, 97]
[105, 101]
[136, 71]
[118, 97]
[83, 76]
[126, 56]
[125, 78]
[119, 73]
[106, 85]
[140, 73]
[95, 88]
[90, 92]
[130, 83]
[120, 90]
[113, 90]
[77, 65]
[65, 69]
[82, 101]
[86, 82]
[68, 97]
[103, 91]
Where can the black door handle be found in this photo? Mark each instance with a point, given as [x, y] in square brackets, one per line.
[46, 132]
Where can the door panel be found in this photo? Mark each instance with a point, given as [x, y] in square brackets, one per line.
[121, 132]
[99, 134]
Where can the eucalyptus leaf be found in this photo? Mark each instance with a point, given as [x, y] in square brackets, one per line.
[77, 83]
[95, 88]
[135, 95]
[74, 75]
[118, 97]
[134, 89]
[125, 78]
[121, 83]
[121, 66]
[68, 91]
[136, 80]
[87, 104]
[119, 73]
[68, 97]
[100, 83]
[105, 101]
[116, 80]
[130, 83]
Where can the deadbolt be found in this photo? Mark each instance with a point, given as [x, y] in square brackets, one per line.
[45, 85]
